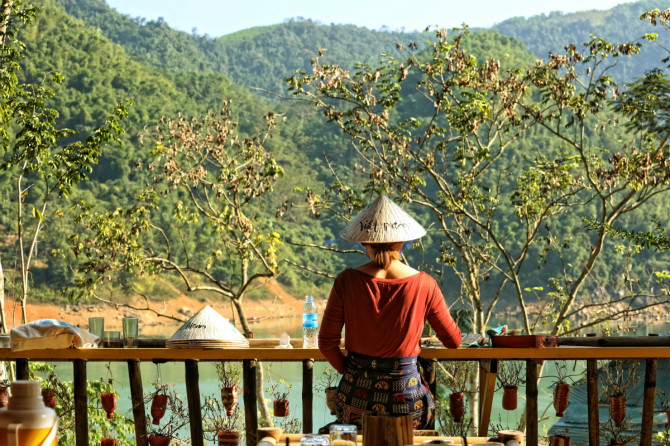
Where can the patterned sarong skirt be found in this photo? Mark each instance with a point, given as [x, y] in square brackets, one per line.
[377, 385]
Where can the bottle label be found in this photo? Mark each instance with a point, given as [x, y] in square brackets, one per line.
[309, 321]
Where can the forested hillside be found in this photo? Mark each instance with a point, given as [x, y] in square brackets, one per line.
[551, 33]
[106, 57]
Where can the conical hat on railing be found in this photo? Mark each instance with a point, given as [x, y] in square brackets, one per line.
[207, 328]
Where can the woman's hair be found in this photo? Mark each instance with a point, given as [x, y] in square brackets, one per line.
[384, 254]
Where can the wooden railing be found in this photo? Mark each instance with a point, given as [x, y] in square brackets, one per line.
[589, 349]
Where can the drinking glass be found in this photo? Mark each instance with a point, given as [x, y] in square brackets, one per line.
[112, 339]
[343, 434]
[314, 440]
[130, 328]
[96, 326]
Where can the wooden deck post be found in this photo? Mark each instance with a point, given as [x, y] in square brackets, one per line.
[22, 369]
[249, 395]
[193, 398]
[531, 402]
[80, 402]
[592, 400]
[647, 427]
[488, 372]
[137, 399]
[307, 395]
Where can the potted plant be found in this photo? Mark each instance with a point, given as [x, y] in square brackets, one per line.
[561, 439]
[510, 376]
[4, 392]
[107, 438]
[328, 383]
[617, 435]
[664, 403]
[162, 434]
[561, 389]
[225, 429]
[229, 375]
[159, 402]
[455, 377]
[619, 379]
[108, 395]
[279, 392]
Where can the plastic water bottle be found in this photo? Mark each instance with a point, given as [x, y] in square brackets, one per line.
[310, 324]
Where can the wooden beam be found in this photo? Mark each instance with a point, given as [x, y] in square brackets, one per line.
[647, 428]
[193, 397]
[488, 373]
[137, 400]
[307, 395]
[249, 395]
[80, 402]
[592, 401]
[531, 402]
[22, 369]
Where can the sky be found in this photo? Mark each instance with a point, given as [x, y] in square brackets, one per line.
[220, 17]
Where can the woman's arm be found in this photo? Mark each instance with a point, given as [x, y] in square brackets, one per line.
[330, 334]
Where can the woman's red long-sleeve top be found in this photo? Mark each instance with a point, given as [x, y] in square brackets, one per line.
[384, 317]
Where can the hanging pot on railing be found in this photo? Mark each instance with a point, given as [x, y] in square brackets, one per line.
[4, 396]
[108, 442]
[280, 408]
[559, 440]
[457, 406]
[561, 398]
[108, 403]
[667, 414]
[158, 407]
[228, 438]
[331, 394]
[229, 398]
[509, 399]
[617, 409]
[159, 440]
[49, 398]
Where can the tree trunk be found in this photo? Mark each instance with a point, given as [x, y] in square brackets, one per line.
[240, 312]
[260, 396]
[3, 321]
[6, 11]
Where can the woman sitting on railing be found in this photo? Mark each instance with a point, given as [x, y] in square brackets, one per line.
[383, 304]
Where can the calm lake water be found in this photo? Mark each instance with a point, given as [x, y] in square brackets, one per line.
[173, 373]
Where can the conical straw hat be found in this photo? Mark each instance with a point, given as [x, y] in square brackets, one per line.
[382, 221]
[208, 325]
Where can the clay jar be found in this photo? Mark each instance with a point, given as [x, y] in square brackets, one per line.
[280, 408]
[509, 399]
[159, 440]
[228, 438]
[456, 406]
[229, 398]
[158, 407]
[108, 403]
[561, 398]
[331, 393]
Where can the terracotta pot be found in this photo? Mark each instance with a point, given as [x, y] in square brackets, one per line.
[108, 403]
[280, 408]
[667, 414]
[229, 398]
[108, 442]
[561, 398]
[158, 407]
[559, 440]
[229, 438]
[159, 440]
[509, 399]
[4, 397]
[331, 394]
[457, 406]
[617, 409]
[49, 398]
